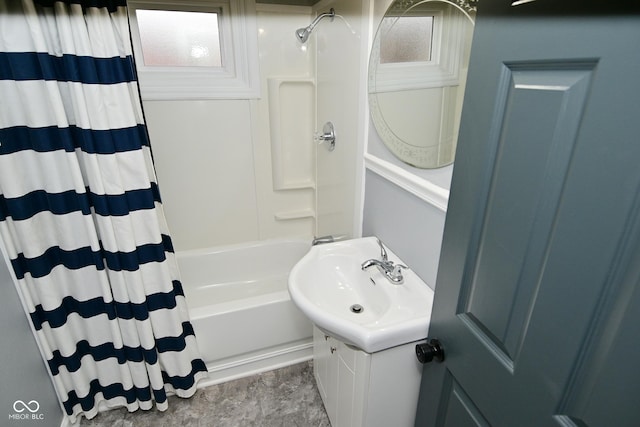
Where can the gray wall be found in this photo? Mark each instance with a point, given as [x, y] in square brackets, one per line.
[23, 374]
[410, 227]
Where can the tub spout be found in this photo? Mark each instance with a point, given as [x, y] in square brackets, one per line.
[321, 240]
[326, 239]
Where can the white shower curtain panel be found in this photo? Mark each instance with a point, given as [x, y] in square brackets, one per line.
[80, 211]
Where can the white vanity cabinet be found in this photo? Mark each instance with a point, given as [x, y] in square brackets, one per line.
[366, 389]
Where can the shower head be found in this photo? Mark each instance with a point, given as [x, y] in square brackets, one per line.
[302, 34]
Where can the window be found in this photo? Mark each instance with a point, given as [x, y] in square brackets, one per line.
[418, 49]
[406, 39]
[182, 39]
[195, 49]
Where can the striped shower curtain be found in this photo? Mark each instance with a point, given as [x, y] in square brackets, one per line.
[80, 212]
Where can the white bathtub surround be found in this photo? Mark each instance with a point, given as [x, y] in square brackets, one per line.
[221, 149]
[341, 58]
[240, 308]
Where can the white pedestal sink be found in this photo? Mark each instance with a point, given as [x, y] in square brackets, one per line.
[364, 359]
[328, 281]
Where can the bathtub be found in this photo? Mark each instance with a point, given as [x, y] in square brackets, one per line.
[243, 317]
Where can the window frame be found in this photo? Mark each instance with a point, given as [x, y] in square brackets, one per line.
[238, 78]
[442, 70]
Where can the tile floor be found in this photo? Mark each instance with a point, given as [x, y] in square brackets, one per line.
[286, 397]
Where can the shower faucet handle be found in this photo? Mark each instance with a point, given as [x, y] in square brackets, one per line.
[327, 136]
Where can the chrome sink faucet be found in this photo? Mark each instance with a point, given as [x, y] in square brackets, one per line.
[393, 272]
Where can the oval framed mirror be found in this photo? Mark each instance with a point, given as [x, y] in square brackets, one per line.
[417, 76]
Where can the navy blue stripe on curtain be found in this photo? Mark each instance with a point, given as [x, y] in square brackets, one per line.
[97, 306]
[115, 390]
[98, 353]
[25, 207]
[52, 138]
[110, 391]
[66, 68]
[106, 351]
[111, 5]
[186, 382]
[42, 265]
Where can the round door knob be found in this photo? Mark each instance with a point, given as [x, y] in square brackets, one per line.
[429, 351]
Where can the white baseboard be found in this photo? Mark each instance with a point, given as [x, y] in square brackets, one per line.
[240, 367]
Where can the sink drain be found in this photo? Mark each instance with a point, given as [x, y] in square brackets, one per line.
[357, 308]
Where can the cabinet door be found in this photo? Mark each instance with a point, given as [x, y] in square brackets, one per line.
[345, 358]
[320, 361]
[335, 368]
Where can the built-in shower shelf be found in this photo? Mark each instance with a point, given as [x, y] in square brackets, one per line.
[298, 214]
[291, 126]
[298, 185]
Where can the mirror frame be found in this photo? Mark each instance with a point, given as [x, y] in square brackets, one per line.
[442, 71]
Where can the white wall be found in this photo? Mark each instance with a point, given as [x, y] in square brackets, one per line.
[215, 159]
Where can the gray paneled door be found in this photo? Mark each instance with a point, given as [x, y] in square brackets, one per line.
[538, 292]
